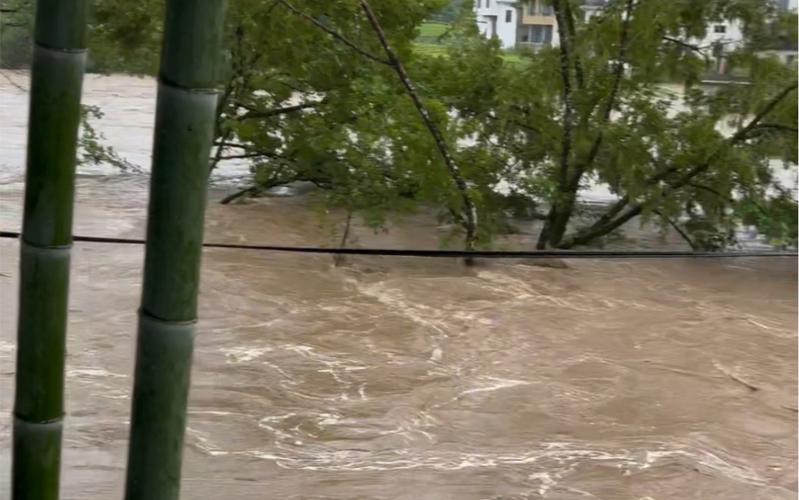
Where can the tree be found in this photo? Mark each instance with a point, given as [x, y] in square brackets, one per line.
[320, 95]
[594, 110]
[311, 93]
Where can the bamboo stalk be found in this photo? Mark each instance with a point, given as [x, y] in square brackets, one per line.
[59, 59]
[184, 129]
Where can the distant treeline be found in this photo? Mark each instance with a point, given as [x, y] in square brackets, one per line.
[449, 13]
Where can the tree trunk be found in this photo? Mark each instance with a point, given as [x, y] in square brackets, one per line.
[59, 59]
[339, 259]
[186, 107]
[557, 220]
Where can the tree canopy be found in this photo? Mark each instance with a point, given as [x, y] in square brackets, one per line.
[319, 91]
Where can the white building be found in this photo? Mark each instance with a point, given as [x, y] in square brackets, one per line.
[537, 25]
[523, 23]
[531, 24]
[498, 18]
[727, 35]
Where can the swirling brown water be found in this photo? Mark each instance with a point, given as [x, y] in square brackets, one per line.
[413, 378]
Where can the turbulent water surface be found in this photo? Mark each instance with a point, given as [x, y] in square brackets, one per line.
[398, 378]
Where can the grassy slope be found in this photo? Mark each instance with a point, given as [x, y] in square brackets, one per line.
[427, 43]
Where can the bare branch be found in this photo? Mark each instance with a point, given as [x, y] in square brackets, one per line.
[12, 82]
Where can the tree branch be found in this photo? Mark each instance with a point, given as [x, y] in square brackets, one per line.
[255, 113]
[13, 83]
[778, 126]
[606, 225]
[233, 145]
[565, 57]
[242, 72]
[333, 33]
[686, 45]
[248, 191]
[256, 154]
[679, 230]
[470, 211]
[339, 259]
[571, 33]
[618, 74]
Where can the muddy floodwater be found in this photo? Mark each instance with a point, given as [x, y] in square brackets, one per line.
[413, 378]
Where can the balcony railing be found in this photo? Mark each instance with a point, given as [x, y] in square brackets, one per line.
[534, 46]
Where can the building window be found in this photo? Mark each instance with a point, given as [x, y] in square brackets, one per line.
[479, 2]
[508, 16]
[537, 34]
[537, 8]
[488, 3]
[719, 28]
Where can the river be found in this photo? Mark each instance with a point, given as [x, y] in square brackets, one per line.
[409, 378]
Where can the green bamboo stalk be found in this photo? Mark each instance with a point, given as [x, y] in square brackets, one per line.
[59, 59]
[184, 130]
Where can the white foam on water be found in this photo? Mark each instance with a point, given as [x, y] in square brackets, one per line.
[201, 441]
[707, 460]
[7, 348]
[546, 481]
[493, 384]
[773, 330]
[217, 413]
[397, 302]
[115, 394]
[556, 461]
[244, 354]
[93, 372]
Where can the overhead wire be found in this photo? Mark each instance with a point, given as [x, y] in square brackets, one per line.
[482, 254]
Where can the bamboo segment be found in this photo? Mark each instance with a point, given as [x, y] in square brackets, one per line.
[177, 202]
[163, 366]
[59, 59]
[184, 128]
[52, 135]
[192, 44]
[37, 459]
[44, 274]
